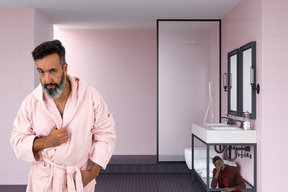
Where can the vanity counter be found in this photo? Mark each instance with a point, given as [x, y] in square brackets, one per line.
[223, 133]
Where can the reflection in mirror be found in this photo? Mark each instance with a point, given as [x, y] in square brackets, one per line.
[247, 91]
[233, 97]
[233, 81]
[247, 54]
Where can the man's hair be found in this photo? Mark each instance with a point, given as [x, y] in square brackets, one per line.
[49, 48]
[216, 158]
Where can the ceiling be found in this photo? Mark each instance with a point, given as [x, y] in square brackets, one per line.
[123, 14]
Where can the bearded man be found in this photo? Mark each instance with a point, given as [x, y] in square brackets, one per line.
[63, 127]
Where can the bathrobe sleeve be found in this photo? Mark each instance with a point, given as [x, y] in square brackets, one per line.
[237, 180]
[23, 136]
[214, 181]
[104, 136]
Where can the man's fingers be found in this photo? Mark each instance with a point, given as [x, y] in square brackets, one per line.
[64, 134]
[63, 129]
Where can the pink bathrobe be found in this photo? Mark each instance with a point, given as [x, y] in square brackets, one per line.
[91, 136]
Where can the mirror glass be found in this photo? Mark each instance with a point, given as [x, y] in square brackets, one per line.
[233, 82]
[247, 91]
[247, 54]
[233, 95]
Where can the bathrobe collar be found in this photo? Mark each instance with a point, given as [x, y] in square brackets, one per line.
[78, 89]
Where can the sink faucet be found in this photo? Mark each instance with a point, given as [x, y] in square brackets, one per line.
[241, 123]
[230, 121]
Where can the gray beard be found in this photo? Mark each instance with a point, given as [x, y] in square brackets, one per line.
[54, 93]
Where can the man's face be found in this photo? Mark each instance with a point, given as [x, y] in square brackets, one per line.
[219, 163]
[52, 75]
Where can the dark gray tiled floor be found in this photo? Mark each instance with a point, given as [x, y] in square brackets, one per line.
[138, 174]
[135, 182]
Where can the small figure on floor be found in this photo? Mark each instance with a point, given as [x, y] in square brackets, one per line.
[226, 176]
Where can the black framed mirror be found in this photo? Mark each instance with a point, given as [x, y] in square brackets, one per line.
[234, 96]
[247, 58]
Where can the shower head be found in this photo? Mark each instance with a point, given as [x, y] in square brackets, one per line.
[196, 42]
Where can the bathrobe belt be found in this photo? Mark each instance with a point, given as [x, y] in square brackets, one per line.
[74, 178]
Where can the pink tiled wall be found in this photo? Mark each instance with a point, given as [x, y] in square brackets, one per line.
[274, 95]
[121, 65]
[265, 22]
[16, 77]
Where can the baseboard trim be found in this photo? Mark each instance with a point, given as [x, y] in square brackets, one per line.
[133, 159]
[14, 188]
[147, 168]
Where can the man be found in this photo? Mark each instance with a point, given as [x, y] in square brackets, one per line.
[63, 127]
[226, 176]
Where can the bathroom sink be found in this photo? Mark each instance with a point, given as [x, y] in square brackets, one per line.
[223, 133]
[227, 128]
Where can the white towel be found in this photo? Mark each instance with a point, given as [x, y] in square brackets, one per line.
[201, 164]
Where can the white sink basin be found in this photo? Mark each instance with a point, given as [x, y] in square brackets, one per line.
[216, 124]
[223, 133]
[227, 128]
